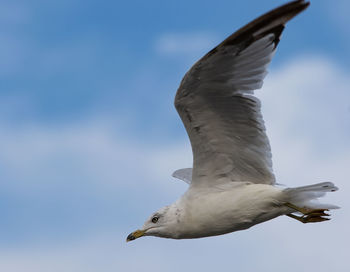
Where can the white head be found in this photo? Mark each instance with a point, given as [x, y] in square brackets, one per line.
[163, 223]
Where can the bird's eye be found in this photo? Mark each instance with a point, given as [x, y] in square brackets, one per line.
[155, 219]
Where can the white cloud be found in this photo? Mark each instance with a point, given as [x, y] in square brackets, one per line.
[92, 153]
[306, 109]
[279, 245]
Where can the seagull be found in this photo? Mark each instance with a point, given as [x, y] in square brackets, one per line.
[231, 185]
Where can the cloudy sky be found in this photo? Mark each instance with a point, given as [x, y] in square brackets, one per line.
[89, 136]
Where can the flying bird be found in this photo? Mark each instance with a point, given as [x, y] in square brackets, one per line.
[232, 185]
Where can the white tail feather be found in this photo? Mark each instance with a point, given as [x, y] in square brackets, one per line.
[306, 196]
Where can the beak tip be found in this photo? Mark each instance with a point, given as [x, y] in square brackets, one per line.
[130, 237]
[134, 235]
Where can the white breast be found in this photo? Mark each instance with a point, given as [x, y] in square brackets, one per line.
[216, 211]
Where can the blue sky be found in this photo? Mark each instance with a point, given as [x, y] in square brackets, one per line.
[89, 136]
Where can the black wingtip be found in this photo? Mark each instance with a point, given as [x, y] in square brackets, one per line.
[278, 16]
[270, 22]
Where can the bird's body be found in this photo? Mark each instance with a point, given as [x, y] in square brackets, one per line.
[232, 185]
[240, 206]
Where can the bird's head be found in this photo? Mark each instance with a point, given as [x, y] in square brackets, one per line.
[161, 224]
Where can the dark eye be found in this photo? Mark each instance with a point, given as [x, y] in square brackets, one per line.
[155, 219]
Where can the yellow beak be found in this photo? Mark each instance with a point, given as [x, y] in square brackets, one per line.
[134, 235]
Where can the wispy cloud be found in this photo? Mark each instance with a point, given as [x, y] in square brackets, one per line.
[176, 44]
[35, 155]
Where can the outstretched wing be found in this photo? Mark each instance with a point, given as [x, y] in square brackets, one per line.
[216, 104]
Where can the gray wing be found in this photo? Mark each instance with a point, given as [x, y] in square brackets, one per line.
[216, 104]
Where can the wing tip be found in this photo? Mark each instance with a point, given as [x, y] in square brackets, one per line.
[270, 22]
[272, 19]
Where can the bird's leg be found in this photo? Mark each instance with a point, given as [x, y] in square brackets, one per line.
[299, 218]
[309, 215]
[308, 219]
[307, 211]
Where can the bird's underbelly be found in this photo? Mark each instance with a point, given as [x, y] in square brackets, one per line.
[224, 212]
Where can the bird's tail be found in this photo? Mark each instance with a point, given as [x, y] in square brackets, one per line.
[306, 196]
